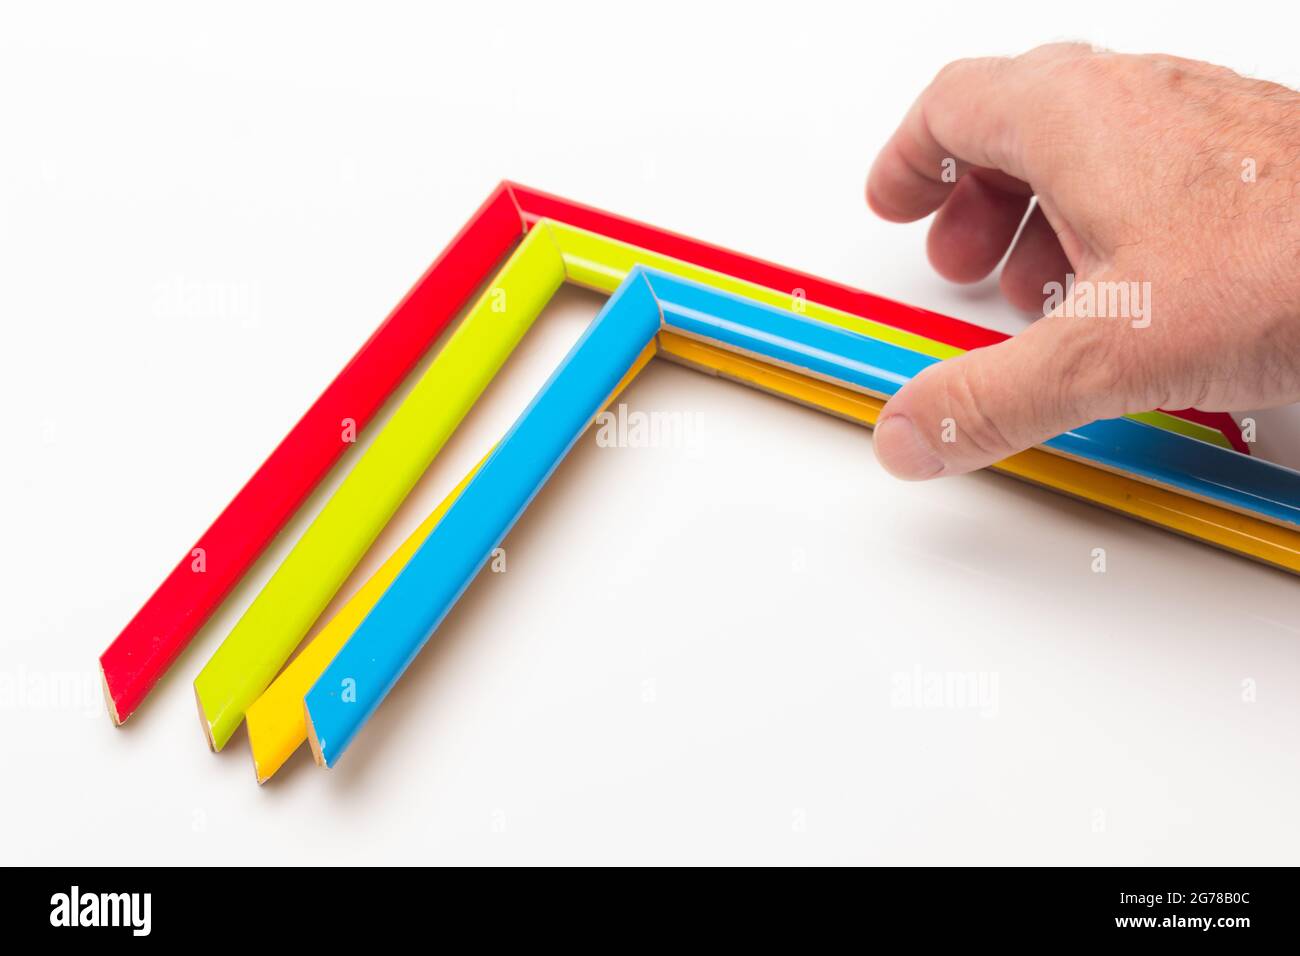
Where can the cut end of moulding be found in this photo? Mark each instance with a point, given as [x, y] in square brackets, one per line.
[252, 752]
[265, 769]
[311, 739]
[111, 704]
[257, 772]
[204, 723]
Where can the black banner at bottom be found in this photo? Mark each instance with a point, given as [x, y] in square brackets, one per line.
[217, 906]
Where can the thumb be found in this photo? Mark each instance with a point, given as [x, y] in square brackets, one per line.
[981, 407]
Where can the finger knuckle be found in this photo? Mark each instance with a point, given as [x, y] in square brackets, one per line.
[1088, 372]
[961, 69]
[1102, 369]
[977, 433]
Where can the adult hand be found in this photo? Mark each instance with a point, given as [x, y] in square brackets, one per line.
[1168, 189]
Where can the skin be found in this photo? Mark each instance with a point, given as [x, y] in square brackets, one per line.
[1122, 169]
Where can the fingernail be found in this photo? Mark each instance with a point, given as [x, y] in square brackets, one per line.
[903, 451]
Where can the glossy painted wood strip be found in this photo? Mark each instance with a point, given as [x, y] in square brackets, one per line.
[328, 551]
[1238, 482]
[1242, 534]
[403, 620]
[276, 721]
[210, 569]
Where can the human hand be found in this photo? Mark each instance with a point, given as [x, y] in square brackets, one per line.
[1170, 190]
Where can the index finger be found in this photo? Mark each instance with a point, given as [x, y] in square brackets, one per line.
[977, 112]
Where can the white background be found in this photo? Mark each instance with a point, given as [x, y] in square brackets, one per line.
[695, 654]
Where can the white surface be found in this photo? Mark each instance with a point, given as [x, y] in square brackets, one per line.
[694, 654]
